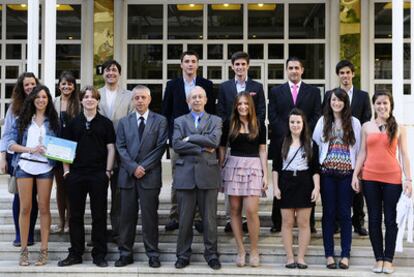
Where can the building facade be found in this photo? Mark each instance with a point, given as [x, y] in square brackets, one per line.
[148, 36]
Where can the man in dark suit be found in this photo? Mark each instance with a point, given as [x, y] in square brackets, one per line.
[229, 89]
[141, 141]
[227, 93]
[197, 177]
[175, 104]
[361, 109]
[282, 99]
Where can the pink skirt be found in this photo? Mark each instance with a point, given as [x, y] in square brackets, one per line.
[242, 176]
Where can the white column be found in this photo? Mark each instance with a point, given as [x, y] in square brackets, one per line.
[33, 37]
[50, 46]
[397, 58]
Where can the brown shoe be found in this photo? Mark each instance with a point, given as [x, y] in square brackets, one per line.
[24, 257]
[43, 256]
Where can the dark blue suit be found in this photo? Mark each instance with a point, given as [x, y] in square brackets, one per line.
[228, 92]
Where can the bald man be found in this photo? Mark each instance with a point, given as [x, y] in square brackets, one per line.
[141, 141]
[197, 176]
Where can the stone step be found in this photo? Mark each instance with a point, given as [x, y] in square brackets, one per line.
[269, 254]
[7, 234]
[141, 269]
[6, 217]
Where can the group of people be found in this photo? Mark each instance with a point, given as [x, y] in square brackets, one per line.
[318, 148]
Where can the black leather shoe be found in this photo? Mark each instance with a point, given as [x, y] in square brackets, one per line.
[172, 225]
[245, 227]
[227, 228]
[123, 261]
[362, 231]
[70, 260]
[214, 264]
[89, 243]
[100, 262]
[275, 229]
[291, 265]
[181, 263]
[198, 225]
[154, 262]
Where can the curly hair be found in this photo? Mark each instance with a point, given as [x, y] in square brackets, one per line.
[18, 94]
[73, 108]
[235, 122]
[29, 109]
[346, 117]
[392, 125]
[305, 139]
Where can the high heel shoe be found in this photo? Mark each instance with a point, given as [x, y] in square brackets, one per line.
[241, 260]
[43, 256]
[24, 257]
[254, 260]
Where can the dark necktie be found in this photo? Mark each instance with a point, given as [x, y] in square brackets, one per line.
[141, 127]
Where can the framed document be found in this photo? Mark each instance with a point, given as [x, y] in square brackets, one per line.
[60, 149]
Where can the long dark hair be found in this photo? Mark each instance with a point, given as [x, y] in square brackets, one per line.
[346, 117]
[73, 108]
[18, 94]
[235, 122]
[29, 109]
[305, 139]
[392, 125]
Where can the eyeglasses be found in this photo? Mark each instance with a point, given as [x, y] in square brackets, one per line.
[88, 125]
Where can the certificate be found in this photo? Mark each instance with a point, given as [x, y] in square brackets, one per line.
[60, 149]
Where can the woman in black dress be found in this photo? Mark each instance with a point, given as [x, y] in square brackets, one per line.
[296, 184]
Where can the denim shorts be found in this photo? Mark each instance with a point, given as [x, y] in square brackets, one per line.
[20, 173]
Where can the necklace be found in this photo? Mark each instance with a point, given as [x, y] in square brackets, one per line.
[381, 126]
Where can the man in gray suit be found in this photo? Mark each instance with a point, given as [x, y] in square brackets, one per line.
[197, 176]
[141, 141]
[115, 103]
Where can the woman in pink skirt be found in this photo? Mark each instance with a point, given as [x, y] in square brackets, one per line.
[244, 172]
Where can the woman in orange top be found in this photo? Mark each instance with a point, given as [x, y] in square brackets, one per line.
[378, 166]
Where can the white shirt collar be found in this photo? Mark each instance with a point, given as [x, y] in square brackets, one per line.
[145, 115]
[298, 84]
[237, 81]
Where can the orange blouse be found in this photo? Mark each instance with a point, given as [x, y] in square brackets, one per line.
[381, 162]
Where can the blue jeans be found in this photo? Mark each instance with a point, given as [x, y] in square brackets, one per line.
[382, 196]
[337, 195]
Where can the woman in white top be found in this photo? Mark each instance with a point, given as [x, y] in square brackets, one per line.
[37, 119]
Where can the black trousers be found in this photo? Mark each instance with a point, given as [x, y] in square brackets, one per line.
[79, 185]
[358, 214]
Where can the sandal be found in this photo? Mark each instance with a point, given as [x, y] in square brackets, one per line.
[241, 260]
[254, 260]
[43, 256]
[24, 257]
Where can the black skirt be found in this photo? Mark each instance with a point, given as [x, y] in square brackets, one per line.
[296, 189]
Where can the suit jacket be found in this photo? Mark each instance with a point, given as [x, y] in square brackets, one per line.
[228, 92]
[122, 105]
[174, 103]
[281, 103]
[146, 152]
[360, 105]
[195, 167]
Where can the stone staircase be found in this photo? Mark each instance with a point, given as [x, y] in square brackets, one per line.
[271, 249]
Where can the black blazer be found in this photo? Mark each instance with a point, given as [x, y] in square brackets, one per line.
[360, 105]
[281, 103]
[228, 92]
[174, 103]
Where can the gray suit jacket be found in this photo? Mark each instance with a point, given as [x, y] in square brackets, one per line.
[146, 153]
[122, 105]
[195, 167]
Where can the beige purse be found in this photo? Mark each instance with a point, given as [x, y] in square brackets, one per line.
[12, 185]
